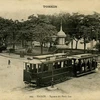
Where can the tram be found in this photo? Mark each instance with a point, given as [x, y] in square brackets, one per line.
[45, 70]
[84, 64]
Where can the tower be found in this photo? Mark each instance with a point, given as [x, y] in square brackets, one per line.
[61, 39]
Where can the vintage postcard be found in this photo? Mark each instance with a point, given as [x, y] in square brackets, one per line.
[49, 50]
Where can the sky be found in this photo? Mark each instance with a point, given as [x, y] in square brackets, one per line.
[21, 9]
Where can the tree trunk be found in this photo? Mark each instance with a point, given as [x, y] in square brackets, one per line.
[13, 41]
[22, 43]
[44, 44]
[31, 44]
[41, 48]
[13, 45]
[72, 44]
[50, 44]
[76, 44]
[84, 45]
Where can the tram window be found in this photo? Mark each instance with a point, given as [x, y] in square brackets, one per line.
[45, 67]
[34, 68]
[27, 66]
[59, 65]
[86, 60]
[39, 68]
[30, 67]
[68, 62]
[50, 67]
[62, 64]
[72, 62]
[65, 63]
[76, 61]
[55, 65]
[81, 61]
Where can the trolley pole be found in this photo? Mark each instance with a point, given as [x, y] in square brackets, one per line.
[52, 81]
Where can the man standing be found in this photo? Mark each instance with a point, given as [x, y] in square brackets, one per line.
[9, 62]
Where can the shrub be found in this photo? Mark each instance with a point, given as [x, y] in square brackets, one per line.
[11, 50]
[29, 50]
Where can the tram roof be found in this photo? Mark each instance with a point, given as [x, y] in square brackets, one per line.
[49, 55]
[33, 61]
[79, 56]
[42, 56]
[53, 58]
[41, 60]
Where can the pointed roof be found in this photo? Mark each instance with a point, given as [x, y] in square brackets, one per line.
[61, 33]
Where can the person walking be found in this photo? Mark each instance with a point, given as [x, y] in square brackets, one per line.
[9, 63]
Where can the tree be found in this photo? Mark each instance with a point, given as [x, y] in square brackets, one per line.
[74, 27]
[5, 25]
[89, 28]
[37, 28]
[13, 32]
[42, 32]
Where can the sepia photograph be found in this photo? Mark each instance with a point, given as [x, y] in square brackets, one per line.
[49, 50]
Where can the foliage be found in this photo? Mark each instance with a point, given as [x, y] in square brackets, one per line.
[41, 27]
[97, 46]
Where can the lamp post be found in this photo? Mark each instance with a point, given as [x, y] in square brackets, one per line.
[52, 81]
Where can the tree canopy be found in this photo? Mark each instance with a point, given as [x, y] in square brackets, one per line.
[41, 27]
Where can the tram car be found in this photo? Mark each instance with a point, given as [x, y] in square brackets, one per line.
[84, 64]
[45, 70]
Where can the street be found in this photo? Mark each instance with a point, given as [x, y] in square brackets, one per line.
[13, 88]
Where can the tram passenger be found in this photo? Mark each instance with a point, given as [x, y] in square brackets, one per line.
[72, 62]
[75, 67]
[86, 65]
[93, 63]
[59, 64]
[90, 64]
[83, 65]
[39, 68]
[96, 63]
[65, 63]
[28, 67]
[55, 65]
[78, 65]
